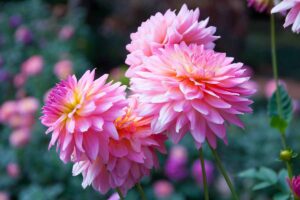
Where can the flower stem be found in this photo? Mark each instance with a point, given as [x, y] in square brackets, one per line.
[120, 194]
[206, 193]
[224, 173]
[141, 191]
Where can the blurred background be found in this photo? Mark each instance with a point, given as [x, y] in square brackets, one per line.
[43, 41]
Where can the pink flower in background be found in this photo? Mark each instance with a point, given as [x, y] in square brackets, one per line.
[270, 87]
[260, 5]
[23, 35]
[63, 69]
[176, 164]
[295, 185]
[20, 80]
[33, 65]
[66, 32]
[20, 137]
[4, 195]
[197, 171]
[80, 115]
[128, 158]
[163, 189]
[165, 29]
[114, 196]
[13, 170]
[188, 88]
[293, 16]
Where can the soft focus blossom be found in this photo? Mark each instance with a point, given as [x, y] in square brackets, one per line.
[166, 29]
[13, 170]
[33, 65]
[188, 88]
[114, 196]
[4, 75]
[128, 158]
[260, 5]
[20, 137]
[23, 35]
[15, 21]
[66, 32]
[197, 171]
[20, 80]
[80, 115]
[63, 69]
[270, 87]
[163, 189]
[295, 185]
[4, 195]
[176, 164]
[293, 16]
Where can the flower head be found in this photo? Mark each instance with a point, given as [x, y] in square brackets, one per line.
[33, 65]
[260, 5]
[23, 35]
[80, 114]
[293, 16]
[63, 69]
[163, 189]
[130, 157]
[295, 185]
[188, 88]
[165, 29]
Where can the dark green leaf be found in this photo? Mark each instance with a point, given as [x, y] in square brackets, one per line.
[249, 173]
[262, 185]
[281, 196]
[267, 175]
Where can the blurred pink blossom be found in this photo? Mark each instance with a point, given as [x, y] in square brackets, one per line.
[20, 137]
[23, 35]
[20, 80]
[261, 5]
[33, 65]
[13, 170]
[163, 189]
[66, 32]
[197, 171]
[295, 185]
[63, 69]
[176, 164]
[114, 196]
[4, 195]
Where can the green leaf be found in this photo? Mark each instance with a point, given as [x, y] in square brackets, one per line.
[280, 114]
[281, 196]
[282, 180]
[267, 175]
[261, 185]
[249, 173]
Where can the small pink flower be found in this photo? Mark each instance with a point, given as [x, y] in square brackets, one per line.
[197, 171]
[166, 29]
[260, 5]
[114, 196]
[4, 195]
[270, 87]
[23, 35]
[33, 65]
[28, 105]
[20, 137]
[13, 170]
[128, 158]
[295, 185]
[66, 32]
[190, 89]
[176, 164]
[20, 80]
[293, 16]
[80, 115]
[163, 189]
[63, 69]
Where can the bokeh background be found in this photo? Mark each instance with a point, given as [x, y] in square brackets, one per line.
[42, 41]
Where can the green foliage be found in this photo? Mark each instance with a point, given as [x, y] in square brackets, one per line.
[280, 109]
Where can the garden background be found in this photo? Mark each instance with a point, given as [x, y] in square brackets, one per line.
[49, 39]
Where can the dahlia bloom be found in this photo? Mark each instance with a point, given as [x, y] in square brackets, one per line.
[293, 17]
[188, 88]
[80, 115]
[260, 5]
[169, 28]
[131, 157]
[295, 185]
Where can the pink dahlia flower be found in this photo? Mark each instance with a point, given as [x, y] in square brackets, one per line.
[131, 157]
[188, 88]
[260, 5]
[295, 185]
[169, 28]
[293, 17]
[80, 114]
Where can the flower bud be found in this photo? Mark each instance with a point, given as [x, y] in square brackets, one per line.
[286, 155]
